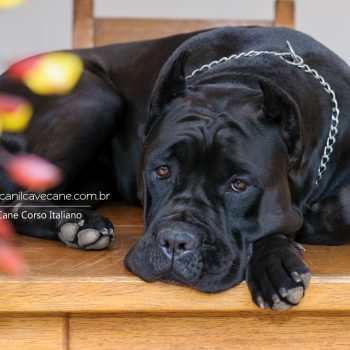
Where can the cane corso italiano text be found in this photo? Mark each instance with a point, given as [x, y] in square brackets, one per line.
[234, 163]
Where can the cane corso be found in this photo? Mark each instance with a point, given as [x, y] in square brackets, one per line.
[225, 160]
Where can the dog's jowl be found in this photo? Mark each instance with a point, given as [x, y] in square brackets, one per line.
[230, 160]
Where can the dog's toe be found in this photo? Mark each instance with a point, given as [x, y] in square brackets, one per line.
[68, 232]
[87, 236]
[294, 295]
[280, 305]
[100, 244]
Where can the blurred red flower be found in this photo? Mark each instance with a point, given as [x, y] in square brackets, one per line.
[32, 172]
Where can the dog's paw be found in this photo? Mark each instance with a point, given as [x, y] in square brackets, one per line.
[93, 232]
[277, 277]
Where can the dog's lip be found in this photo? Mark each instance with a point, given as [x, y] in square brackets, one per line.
[196, 286]
[170, 281]
[172, 277]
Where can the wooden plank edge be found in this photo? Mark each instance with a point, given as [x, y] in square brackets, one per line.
[122, 295]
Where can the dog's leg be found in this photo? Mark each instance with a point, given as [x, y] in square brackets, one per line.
[276, 274]
[77, 228]
[327, 222]
[72, 132]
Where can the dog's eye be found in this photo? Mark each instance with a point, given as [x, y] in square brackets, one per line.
[239, 186]
[162, 172]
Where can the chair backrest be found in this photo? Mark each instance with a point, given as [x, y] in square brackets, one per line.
[89, 31]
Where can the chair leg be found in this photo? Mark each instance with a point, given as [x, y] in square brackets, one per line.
[285, 13]
[83, 24]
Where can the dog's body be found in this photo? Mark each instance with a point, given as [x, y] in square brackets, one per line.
[226, 161]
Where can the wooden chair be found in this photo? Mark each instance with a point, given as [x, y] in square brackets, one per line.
[75, 299]
[89, 31]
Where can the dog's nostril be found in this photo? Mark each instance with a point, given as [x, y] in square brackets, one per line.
[182, 246]
[176, 243]
[165, 244]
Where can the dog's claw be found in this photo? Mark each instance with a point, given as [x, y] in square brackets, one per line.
[306, 277]
[111, 233]
[299, 246]
[296, 277]
[283, 292]
[104, 231]
[260, 302]
[275, 298]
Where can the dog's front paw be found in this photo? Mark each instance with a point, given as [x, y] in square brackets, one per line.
[93, 232]
[276, 274]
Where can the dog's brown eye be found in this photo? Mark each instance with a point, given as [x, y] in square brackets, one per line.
[163, 172]
[239, 186]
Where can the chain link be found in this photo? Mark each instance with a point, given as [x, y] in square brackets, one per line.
[292, 58]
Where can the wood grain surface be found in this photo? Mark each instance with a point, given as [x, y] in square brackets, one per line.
[79, 300]
[241, 332]
[31, 332]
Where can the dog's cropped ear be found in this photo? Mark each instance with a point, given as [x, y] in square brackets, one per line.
[279, 107]
[144, 196]
[169, 86]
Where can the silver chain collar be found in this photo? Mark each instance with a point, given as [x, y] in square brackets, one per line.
[292, 58]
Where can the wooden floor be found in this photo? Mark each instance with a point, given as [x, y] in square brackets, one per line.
[87, 300]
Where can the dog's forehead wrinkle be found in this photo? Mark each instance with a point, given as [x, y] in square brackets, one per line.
[194, 118]
[205, 122]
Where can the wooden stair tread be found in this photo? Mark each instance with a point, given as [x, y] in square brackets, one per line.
[62, 279]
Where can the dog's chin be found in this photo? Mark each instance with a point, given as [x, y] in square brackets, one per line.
[206, 284]
[204, 288]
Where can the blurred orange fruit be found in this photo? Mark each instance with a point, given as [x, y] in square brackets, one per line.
[4, 4]
[47, 74]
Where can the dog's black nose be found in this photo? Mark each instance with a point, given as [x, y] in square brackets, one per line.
[175, 243]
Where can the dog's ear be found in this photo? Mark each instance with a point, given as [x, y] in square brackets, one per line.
[169, 86]
[279, 107]
[275, 212]
[144, 196]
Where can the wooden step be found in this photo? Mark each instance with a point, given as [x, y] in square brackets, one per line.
[76, 299]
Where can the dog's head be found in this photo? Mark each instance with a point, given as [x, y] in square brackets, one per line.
[214, 178]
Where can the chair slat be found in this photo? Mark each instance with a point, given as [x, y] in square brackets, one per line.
[89, 31]
[111, 30]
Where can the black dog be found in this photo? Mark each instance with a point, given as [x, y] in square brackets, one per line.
[226, 160]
